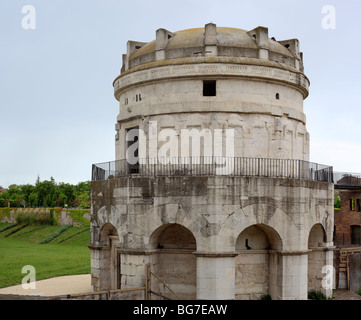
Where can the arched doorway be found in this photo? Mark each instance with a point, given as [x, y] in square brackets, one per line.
[256, 266]
[109, 258]
[316, 257]
[173, 261]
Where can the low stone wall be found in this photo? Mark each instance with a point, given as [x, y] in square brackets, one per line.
[74, 217]
[120, 294]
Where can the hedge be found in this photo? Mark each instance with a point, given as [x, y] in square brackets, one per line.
[56, 234]
[8, 227]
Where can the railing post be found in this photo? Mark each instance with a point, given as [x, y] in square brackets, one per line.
[299, 169]
[147, 281]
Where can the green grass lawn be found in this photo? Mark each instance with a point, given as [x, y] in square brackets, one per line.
[66, 255]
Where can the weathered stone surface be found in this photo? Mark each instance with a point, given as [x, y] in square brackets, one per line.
[210, 236]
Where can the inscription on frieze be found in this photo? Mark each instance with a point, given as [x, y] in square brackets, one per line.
[207, 69]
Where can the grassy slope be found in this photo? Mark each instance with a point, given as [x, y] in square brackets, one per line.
[72, 256]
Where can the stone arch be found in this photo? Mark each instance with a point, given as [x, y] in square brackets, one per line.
[261, 237]
[319, 215]
[256, 265]
[317, 236]
[173, 260]
[160, 216]
[316, 257]
[265, 216]
[109, 258]
[106, 231]
[173, 236]
[112, 215]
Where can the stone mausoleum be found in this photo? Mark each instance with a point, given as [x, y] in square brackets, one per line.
[211, 184]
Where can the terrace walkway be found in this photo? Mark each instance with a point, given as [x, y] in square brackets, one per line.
[213, 166]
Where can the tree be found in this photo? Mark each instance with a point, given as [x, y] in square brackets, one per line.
[33, 199]
[26, 190]
[15, 195]
[60, 200]
[84, 199]
[68, 190]
[4, 199]
[46, 193]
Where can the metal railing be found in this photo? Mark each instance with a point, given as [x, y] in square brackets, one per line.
[209, 166]
[347, 179]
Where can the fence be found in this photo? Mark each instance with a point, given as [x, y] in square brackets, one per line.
[207, 166]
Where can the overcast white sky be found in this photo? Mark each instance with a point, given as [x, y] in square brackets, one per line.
[57, 106]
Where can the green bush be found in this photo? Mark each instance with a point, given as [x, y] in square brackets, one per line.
[4, 212]
[359, 291]
[56, 233]
[316, 295]
[265, 297]
[35, 218]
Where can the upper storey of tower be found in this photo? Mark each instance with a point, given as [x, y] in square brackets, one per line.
[216, 45]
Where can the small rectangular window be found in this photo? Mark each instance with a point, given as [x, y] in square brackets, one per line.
[358, 205]
[352, 204]
[209, 88]
[355, 235]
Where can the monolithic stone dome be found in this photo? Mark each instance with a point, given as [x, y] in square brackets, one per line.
[192, 45]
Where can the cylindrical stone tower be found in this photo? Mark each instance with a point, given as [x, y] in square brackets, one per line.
[191, 102]
[216, 78]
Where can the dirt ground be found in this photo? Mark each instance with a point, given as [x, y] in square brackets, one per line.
[341, 294]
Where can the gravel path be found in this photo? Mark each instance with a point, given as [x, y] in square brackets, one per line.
[52, 287]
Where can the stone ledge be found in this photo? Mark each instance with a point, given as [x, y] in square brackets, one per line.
[207, 254]
[96, 247]
[225, 69]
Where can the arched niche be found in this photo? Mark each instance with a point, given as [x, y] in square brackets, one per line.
[257, 264]
[173, 261]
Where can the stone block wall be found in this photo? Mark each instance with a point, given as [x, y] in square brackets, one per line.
[74, 217]
[209, 214]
